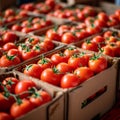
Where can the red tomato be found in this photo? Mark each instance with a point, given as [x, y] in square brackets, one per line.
[88, 45]
[33, 70]
[92, 29]
[63, 28]
[7, 61]
[5, 102]
[70, 51]
[38, 49]
[9, 12]
[51, 75]
[53, 35]
[64, 68]
[29, 7]
[10, 83]
[82, 34]
[14, 52]
[46, 96]
[26, 29]
[58, 58]
[100, 23]
[9, 46]
[111, 39]
[107, 51]
[97, 64]
[47, 45]
[45, 63]
[9, 37]
[16, 27]
[76, 61]
[5, 116]
[28, 54]
[50, 3]
[103, 16]
[24, 86]
[36, 99]
[69, 80]
[24, 107]
[39, 98]
[89, 11]
[68, 38]
[89, 20]
[83, 73]
[98, 39]
[32, 40]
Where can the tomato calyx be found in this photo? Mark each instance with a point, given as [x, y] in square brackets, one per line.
[44, 61]
[10, 57]
[71, 48]
[95, 57]
[55, 28]
[28, 67]
[88, 41]
[55, 70]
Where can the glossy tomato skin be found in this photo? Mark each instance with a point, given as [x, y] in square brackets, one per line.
[33, 70]
[97, 65]
[88, 45]
[70, 51]
[64, 68]
[83, 73]
[17, 110]
[51, 76]
[28, 54]
[23, 86]
[53, 35]
[45, 63]
[76, 61]
[10, 83]
[9, 37]
[9, 46]
[14, 52]
[5, 103]
[69, 80]
[59, 57]
[5, 116]
[7, 61]
[68, 38]
[45, 96]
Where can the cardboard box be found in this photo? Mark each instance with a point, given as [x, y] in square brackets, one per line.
[77, 104]
[53, 110]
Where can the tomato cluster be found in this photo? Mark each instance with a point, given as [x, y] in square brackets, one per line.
[75, 14]
[67, 68]
[31, 24]
[8, 36]
[13, 54]
[10, 15]
[108, 43]
[18, 97]
[89, 15]
[69, 34]
[41, 8]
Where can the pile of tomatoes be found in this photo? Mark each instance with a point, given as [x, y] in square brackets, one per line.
[31, 24]
[67, 68]
[71, 33]
[15, 53]
[41, 7]
[107, 43]
[18, 97]
[88, 15]
[10, 15]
